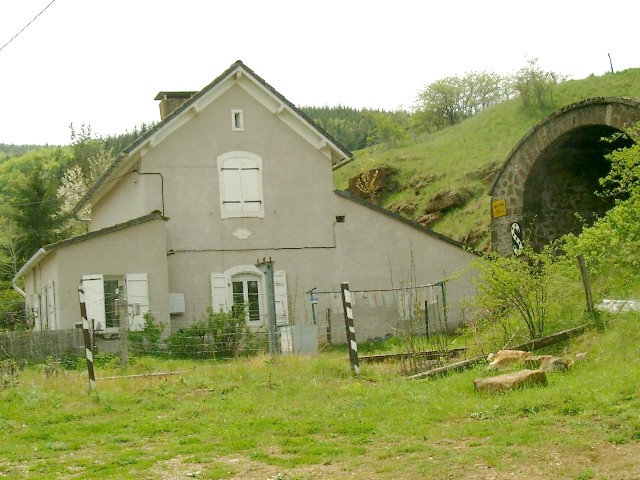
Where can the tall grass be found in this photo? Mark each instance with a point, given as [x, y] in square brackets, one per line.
[308, 417]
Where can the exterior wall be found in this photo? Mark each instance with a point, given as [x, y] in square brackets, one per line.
[138, 249]
[126, 201]
[378, 251]
[293, 171]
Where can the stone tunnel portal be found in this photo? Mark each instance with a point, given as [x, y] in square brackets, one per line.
[548, 185]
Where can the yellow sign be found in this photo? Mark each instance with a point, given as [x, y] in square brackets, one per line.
[498, 208]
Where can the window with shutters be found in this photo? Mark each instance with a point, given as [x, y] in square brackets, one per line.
[240, 180]
[243, 287]
[102, 296]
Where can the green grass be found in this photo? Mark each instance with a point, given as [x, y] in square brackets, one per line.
[462, 155]
[307, 417]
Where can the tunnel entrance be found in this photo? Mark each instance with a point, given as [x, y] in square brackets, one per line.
[562, 192]
[548, 185]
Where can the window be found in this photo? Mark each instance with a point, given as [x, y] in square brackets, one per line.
[246, 296]
[240, 178]
[237, 121]
[243, 287]
[111, 293]
[101, 292]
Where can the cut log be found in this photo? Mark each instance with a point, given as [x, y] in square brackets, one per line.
[510, 381]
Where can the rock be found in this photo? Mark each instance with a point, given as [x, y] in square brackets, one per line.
[379, 180]
[429, 219]
[510, 381]
[448, 200]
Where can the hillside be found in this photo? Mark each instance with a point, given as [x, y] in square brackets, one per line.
[465, 157]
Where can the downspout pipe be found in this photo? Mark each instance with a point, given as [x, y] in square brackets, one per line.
[36, 257]
[161, 184]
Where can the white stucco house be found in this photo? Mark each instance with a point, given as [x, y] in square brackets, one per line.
[236, 173]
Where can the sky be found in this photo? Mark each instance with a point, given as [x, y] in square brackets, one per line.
[101, 62]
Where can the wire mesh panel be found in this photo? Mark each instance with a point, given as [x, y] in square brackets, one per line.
[384, 313]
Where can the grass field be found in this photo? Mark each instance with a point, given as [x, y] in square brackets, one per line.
[309, 418]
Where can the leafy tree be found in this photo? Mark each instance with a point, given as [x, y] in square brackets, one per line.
[624, 176]
[514, 286]
[534, 85]
[35, 212]
[387, 129]
[451, 100]
[612, 243]
[12, 314]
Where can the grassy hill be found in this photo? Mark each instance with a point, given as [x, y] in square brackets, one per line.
[466, 156]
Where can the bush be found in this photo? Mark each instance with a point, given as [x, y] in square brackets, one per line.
[147, 340]
[218, 335]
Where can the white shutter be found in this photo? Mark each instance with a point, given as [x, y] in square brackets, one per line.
[231, 185]
[93, 287]
[280, 291]
[51, 306]
[219, 297]
[36, 312]
[137, 294]
[251, 186]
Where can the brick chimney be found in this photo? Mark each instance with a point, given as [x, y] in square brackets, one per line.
[169, 101]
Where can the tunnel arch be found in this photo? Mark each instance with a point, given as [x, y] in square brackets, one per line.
[548, 182]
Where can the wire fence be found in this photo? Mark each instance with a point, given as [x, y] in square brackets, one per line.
[412, 323]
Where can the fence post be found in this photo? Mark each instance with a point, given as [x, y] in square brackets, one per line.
[587, 290]
[266, 267]
[351, 331]
[426, 318]
[87, 339]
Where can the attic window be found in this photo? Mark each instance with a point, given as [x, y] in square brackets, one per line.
[237, 121]
[339, 218]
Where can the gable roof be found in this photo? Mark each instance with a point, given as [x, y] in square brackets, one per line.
[238, 73]
[389, 213]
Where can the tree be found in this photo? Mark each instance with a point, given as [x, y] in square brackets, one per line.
[35, 211]
[624, 176]
[76, 181]
[389, 129]
[534, 85]
[451, 100]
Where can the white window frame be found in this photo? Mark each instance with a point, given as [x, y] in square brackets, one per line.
[237, 121]
[240, 183]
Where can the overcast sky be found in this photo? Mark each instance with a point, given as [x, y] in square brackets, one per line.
[101, 62]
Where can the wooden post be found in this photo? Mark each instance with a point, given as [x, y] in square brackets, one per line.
[426, 318]
[351, 331]
[328, 326]
[87, 340]
[587, 290]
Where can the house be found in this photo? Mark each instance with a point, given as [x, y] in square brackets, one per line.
[234, 174]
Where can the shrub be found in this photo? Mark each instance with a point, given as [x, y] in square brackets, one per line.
[218, 335]
[147, 340]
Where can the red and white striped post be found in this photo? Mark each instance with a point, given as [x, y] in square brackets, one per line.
[87, 340]
[351, 331]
